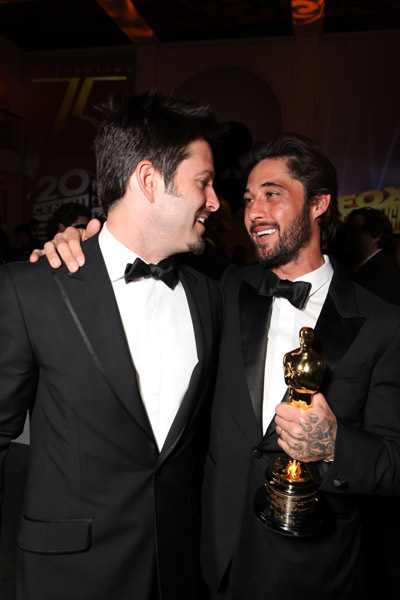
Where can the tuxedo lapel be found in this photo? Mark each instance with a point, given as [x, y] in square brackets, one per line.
[254, 314]
[199, 301]
[339, 321]
[89, 297]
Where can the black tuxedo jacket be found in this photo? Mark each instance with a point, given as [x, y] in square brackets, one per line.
[104, 509]
[358, 335]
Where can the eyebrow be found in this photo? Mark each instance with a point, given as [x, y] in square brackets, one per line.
[211, 174]
[265, 185]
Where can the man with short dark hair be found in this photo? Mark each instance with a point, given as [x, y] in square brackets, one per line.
[115, 365]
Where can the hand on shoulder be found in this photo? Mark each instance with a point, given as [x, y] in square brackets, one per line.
[67, 247]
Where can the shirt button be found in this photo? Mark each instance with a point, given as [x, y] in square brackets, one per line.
[340, 485]
[256, 452]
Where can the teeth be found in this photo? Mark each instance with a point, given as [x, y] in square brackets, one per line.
[201, 220]
[265, 232]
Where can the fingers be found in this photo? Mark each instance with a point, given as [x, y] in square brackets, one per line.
[36, 254]
[69, 244]
[49, 250]
[307, 434]
[92, 227]
[67, 247]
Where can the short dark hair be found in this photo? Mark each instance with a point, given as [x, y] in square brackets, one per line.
[67, 214]
[151, 126]
[377, 223]
[307, 163]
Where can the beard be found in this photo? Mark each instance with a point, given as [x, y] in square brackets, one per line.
[198, 247]
[287, 248]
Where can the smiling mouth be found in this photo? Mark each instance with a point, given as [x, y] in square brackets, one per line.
[201, 220]
[264, 232]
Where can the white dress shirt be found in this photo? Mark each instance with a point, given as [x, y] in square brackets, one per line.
[160, 335]
[283, 334]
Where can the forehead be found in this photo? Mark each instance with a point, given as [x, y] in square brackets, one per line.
[357, 220]
[270, 170]
[199, 156]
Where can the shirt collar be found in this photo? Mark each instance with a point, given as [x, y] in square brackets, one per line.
[319, 277]
[116, 255]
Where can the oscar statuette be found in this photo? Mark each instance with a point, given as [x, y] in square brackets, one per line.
[287, 503]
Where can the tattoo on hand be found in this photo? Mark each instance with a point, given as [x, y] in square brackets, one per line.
[320, 438]
[313, 417]
[305, 426]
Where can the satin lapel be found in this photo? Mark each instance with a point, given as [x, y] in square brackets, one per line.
[197, 294]
[90, 299]
[254, 313]
[339, 321]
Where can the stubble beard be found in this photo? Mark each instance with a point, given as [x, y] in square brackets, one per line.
[199, 246]
[289, 243]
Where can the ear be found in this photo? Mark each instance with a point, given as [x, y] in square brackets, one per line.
[147, 179]
[320, 205]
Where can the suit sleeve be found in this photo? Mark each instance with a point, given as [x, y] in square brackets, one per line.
[18, 368]
[367, 458]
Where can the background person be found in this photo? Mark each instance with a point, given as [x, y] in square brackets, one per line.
[70, 214]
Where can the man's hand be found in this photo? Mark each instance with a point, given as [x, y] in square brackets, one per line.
[68, 245]
[307, 434]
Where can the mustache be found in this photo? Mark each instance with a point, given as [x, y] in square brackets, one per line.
[264, 224]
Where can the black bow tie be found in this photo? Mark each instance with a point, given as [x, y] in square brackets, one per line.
[166, 270]
[295, 291]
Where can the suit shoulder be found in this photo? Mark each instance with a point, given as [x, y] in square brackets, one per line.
[195, 275]
[372, 304]
[26, 271]
[236, 274]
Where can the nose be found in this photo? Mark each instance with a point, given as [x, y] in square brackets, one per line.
[212, 202]
[256, 209]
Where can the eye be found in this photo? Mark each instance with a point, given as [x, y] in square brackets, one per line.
[246, 200]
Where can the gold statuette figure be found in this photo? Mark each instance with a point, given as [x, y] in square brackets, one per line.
[288, 502]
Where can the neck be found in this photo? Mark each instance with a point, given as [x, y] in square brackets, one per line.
[307, 260]
[126, 230]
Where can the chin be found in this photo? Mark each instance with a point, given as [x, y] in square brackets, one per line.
[197, 247]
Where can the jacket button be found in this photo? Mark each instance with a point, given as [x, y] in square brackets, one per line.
[256, 452]
[340, 485]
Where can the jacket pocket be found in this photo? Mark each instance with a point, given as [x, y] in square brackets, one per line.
[55, 537]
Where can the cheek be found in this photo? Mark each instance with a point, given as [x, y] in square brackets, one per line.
[246, 219]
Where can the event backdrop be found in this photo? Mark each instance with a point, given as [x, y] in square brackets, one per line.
[61, 121]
